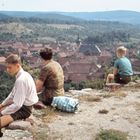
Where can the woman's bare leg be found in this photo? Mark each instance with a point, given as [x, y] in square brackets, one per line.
[110, 78]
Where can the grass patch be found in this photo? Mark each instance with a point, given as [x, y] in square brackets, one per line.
[137, 106]
[111, 135]
[107, 95]
[118, 94]
[103, 111]
[90, 98]
[47, 115]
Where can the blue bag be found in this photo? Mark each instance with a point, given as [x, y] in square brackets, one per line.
[66, 104]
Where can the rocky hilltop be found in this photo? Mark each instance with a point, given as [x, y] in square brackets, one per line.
[98, 110]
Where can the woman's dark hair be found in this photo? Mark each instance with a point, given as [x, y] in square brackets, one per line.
[46, 53]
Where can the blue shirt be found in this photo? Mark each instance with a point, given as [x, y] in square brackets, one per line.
[123, 66]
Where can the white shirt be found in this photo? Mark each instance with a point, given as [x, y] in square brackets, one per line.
[23, 93]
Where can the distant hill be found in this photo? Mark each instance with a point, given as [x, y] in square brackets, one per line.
[52, 26]
[3, 16]
[131, 17]
[41, 15]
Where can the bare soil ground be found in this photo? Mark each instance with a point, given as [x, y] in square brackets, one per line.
[98, 109]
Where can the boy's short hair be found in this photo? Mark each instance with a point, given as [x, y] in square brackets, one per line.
[46, 53]
[121, 50]
[13, 59]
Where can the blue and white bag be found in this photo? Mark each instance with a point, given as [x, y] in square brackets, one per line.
[66, 104]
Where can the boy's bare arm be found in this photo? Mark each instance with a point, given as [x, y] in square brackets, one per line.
[39, 85]
[115, 71]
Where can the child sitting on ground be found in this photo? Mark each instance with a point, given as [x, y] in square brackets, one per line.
[122, 70]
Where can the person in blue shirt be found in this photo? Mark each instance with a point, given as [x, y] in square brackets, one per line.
[122, 70]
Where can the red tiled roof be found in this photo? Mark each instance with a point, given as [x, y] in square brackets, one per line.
[78, 77]
[35, 49]
[80, 68]
[2, 59]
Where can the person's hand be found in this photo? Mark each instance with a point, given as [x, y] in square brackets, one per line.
[1, 106]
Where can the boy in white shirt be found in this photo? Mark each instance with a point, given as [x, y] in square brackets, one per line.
[23, 96]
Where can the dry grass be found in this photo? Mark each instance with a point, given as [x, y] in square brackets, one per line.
[107, 95]
[103, 111]
[14, 28]
[117, 93]
[49, 115]
[137, 106]
[64, 26]
[90, 98]
[120, 94]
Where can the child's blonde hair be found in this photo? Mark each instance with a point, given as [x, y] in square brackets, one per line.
[121, 51]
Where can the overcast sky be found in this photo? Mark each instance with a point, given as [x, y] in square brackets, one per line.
[69, 5]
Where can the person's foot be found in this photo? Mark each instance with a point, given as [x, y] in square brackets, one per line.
[39, 105]
[1, 134]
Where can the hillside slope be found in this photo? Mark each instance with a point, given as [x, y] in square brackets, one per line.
[122, 113]
[131, 17]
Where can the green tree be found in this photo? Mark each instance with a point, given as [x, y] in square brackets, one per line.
[6, 85]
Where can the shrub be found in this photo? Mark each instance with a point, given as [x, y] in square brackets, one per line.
[111, 135]
[6, 84]
[96, 84]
